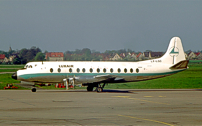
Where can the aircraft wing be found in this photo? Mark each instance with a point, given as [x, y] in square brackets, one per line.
[104, 77]
[95, 79]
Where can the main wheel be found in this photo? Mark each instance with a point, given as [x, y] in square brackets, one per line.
[90, 88]
[99, 89]
[33, 89]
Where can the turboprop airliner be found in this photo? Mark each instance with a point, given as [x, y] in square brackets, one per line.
[97, 74]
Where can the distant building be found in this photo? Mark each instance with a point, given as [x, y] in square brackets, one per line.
[54, 56]
[122, 55]
[6, 60]
[152, 55]
[116, 57]
[134, 56]
[191, 55]
[10, 49]
[2, 57]
[140, 56]
[186, 56]
[198, 55]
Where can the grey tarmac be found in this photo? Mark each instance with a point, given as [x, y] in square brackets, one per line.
[111, 107]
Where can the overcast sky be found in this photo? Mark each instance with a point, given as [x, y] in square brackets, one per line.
[61, 25]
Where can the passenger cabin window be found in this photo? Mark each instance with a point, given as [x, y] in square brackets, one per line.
[131, 70]
[91, 70]
[70, 70]
[111, 70]
[125, 70]
[59, 70]
[137, 70]
[78, 70]
[104, 70]
[98, 70]
[83, 70]
[119, 70]
[51, 70]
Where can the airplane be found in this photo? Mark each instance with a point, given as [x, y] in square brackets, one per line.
[98, 73]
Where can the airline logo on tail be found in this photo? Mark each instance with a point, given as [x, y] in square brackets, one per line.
[174, 51]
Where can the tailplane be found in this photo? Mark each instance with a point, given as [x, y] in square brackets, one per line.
[174, 53]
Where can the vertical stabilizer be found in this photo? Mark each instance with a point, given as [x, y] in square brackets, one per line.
[174, 53]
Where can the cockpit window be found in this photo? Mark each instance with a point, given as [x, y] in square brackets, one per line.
[27, 66]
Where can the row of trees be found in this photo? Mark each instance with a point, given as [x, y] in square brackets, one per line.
[35, 54]
[24, 55]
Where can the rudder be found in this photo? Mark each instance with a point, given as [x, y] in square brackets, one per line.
[174, 53]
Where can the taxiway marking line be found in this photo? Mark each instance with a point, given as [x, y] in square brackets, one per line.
[147, 120]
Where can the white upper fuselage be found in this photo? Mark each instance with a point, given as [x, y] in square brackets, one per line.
[88, 72]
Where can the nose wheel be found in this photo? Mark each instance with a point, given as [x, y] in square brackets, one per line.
[33, 89]
[90, 88]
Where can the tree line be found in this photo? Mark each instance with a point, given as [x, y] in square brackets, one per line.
[24, 55]
[35, 54]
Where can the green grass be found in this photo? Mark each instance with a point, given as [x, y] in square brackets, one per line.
[5, 79]
[195, 61]
[12, 66]
[188, 79]
[8, 70]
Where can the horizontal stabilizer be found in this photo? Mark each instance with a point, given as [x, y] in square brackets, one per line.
[181, 65]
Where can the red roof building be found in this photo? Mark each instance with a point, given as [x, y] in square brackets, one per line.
[2, 57]
[54, 56]
[197, 53]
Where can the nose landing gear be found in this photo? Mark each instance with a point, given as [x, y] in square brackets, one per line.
[33, 89]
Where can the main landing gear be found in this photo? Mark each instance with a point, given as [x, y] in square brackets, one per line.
[98, 89]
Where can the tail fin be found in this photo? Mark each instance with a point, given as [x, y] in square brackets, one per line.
[174, 53]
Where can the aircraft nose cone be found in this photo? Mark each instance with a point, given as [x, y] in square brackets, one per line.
[14, 76]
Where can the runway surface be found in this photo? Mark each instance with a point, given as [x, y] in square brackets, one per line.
[111, 107]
